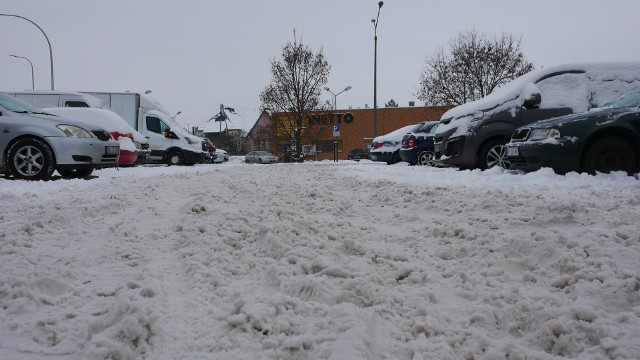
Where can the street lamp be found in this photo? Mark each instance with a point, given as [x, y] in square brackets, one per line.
[335, 96]
[45, 36]
[375, 65]
[22, 57]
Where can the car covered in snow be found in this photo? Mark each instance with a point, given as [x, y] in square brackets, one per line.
[134, 147]
[600, 140]
[34, 143]
[417, 146]
[386, 148]
[473, 135]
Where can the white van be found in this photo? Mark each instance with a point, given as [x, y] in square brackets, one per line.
[55, 99]
[169, 142]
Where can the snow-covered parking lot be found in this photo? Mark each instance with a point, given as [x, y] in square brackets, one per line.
[321, 260]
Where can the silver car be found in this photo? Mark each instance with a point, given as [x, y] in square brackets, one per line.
[260, 157]
[34, 144]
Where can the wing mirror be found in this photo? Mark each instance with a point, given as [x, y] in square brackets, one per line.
[532, 101]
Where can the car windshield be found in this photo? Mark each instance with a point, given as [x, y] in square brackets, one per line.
[432, 132]
[631, 98]
[263, 153]
[20, 106]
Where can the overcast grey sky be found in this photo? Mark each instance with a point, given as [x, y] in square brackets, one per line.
[195, 55]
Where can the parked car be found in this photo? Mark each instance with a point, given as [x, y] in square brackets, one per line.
[222, 156]
[386, 148]
[357, 155]
[417, 146]
[34, 144]
[210, 148]
[134, 147]
[601, 140]
[260, 157]
[473, 135]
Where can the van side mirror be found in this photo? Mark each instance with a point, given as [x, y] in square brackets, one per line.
[533, 101]
[170, 134]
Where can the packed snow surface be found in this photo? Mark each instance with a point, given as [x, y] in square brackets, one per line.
[320, 260]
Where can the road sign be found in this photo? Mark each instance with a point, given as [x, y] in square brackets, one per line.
[336, 130]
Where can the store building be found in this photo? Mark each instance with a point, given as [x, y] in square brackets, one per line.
[348, 129]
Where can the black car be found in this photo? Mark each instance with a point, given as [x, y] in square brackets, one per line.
[357, 155]
[601, 140]
[417, 146]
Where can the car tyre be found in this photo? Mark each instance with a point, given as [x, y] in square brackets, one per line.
[31, 159]
[610, 154]
[494, 153]
[425, 158]
[260, 161]
[175, 157]
[75, 173]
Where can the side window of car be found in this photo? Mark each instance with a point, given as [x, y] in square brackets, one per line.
[153, 124]
[75, 103]
[565, 90]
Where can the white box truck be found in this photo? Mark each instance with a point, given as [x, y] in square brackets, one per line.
[169, 142]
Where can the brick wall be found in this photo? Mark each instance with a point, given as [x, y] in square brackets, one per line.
[357, 131]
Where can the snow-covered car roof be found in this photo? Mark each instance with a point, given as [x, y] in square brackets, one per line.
[515, 92]
[104, 118]
[395, 135]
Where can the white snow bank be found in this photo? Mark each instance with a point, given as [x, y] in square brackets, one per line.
[320, 261]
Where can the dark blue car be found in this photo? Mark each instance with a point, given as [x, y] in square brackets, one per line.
[417, 146]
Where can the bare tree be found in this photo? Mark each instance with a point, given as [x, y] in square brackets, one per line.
[296, 83]
[473, 68]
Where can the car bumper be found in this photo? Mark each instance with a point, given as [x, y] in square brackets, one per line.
[127, 157]
[194, 157]
[409, 155]
[381, 156]
[452, 150]
[562, 158]
[78, 153]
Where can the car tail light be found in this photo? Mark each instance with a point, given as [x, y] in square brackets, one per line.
[411, 142]
[377, 145]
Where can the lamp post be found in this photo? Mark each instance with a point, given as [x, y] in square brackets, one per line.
[30, 63]
[45, 36]
[375, 73]
[335, 96]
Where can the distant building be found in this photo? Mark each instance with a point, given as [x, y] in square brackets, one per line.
[228, 129]
[348, 129]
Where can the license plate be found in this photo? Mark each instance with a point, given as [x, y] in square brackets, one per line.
[513, 151]
[112, 150]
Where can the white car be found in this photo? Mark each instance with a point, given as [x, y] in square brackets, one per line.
[222, 156]
[386, 148]
[134, 147]
[35, 143]
[260, 157]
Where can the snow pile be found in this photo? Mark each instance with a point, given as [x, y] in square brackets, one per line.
[320, 261]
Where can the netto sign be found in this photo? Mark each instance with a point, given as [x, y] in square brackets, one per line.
[335, 118]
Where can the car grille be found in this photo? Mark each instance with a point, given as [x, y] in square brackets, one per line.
[518, 162]
[109, 159]
[520, 134]
[102, 135]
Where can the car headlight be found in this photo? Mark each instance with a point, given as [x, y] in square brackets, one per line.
[74, 131]
[541, 134]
